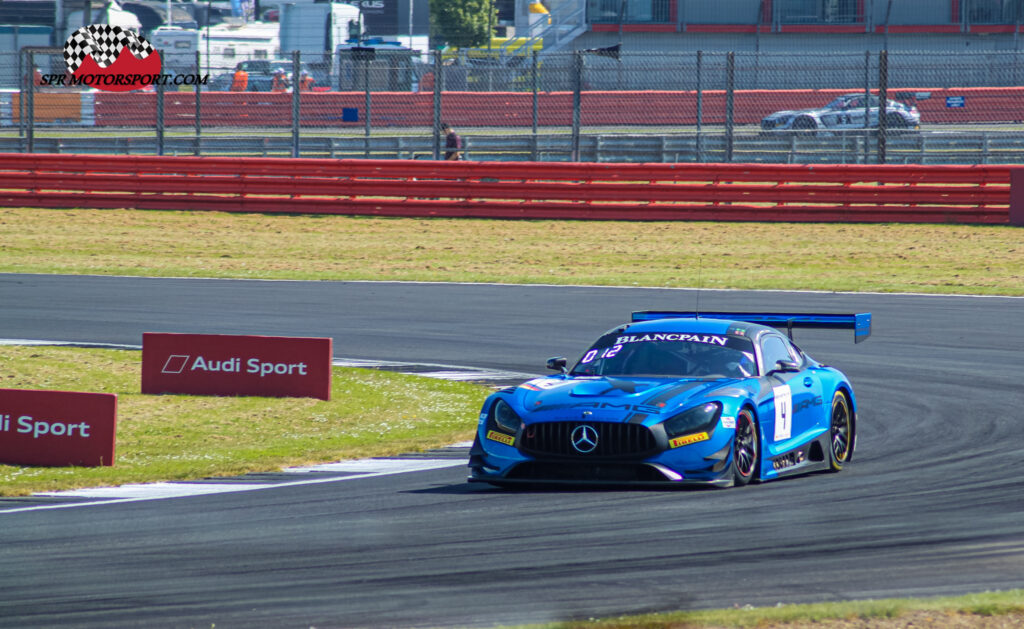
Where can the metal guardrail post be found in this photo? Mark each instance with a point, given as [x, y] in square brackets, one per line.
[867, 104]
[437, 104]
[29, 115]
[730, 96]
[577, 84]
[367, 103]
[883, 95]
[198, 117]
[536, 113]
[700, 107]
[296, 100]
[160, 88]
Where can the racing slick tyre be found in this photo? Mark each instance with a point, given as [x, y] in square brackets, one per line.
[746, 450]
[805, 124]
[840, 432]
[895, 121]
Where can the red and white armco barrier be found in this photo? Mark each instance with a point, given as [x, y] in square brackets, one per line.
[219, 364]
[836, 193]
[57, 428]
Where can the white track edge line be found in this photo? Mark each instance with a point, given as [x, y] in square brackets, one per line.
[219, 488]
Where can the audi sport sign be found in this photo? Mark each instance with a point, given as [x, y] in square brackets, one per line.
[57, 428]
[220, 364]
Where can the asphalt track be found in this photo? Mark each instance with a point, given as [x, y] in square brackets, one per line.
[932, 503]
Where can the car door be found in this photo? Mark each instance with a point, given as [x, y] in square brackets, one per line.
[873, 108]
[855, 113]
[796, 395]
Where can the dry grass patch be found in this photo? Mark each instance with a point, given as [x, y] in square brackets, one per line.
[839, 257]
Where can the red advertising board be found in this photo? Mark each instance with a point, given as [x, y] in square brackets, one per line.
[57, 428]
[222, 364]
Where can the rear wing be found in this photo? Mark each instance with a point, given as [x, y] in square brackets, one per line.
[859, 323]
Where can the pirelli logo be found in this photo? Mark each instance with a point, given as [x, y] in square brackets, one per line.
[494, 435]
[688, 439]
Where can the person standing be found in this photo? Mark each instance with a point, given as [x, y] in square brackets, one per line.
[452, 143]
[280, 81]
[240, 82]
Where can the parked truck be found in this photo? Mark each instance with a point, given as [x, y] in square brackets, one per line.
[317, 29]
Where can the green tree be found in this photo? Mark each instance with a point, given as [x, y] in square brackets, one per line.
[462, 23]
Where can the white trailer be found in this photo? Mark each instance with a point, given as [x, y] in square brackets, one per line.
[220, 47]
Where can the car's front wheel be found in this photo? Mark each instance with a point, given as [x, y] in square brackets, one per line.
[746, 449]
[840, 432]
[805, 124]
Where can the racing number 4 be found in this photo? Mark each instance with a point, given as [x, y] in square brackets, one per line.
[783, 412]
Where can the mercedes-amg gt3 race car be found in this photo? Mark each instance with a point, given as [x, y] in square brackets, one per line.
[676, 398]
[848, 112]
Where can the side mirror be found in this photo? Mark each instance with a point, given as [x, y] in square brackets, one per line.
[784, 366]
[558, 364]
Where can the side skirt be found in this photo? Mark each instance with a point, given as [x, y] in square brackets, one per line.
[809, 457]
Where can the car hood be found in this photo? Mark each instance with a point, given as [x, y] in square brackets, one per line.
[646, 400]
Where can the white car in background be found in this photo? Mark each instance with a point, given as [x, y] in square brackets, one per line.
[846, 112]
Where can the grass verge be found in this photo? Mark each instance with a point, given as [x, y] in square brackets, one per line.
[179, 437]
[995, 610]
[830, 257]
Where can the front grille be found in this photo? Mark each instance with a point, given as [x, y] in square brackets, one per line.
[613, 440]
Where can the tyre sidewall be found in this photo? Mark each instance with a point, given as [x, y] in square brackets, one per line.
[836, 463]
[745, 416]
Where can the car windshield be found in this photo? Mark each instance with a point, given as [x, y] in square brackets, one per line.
[671, 354]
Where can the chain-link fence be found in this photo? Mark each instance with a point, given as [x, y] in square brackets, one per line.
[602, 105]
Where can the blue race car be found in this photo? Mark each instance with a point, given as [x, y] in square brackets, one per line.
[676, 398]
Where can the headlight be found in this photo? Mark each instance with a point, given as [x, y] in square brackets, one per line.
[505, 418]
[698, 418]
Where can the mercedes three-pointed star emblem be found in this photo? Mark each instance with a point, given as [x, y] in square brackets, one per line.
[584, 439]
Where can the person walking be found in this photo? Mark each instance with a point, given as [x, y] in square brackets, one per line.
[452, 143]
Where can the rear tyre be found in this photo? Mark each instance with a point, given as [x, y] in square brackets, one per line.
[805, 124]
[895, 121]
[746, 449]
[840, 432]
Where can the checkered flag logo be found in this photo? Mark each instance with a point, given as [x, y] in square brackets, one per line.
[104, 44]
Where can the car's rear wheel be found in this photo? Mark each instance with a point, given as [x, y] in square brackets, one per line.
[895, 121]
[746, 449]
[840, 432]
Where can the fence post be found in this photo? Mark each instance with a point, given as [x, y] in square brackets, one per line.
[296, 100]
[867, 105]
[883, 94]
[577, 85]
[700, 108]
[536, 112]
[437, 104]
[198, 116]
[160, 88]
[29, 111]
[367, 124]
[730, 94]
